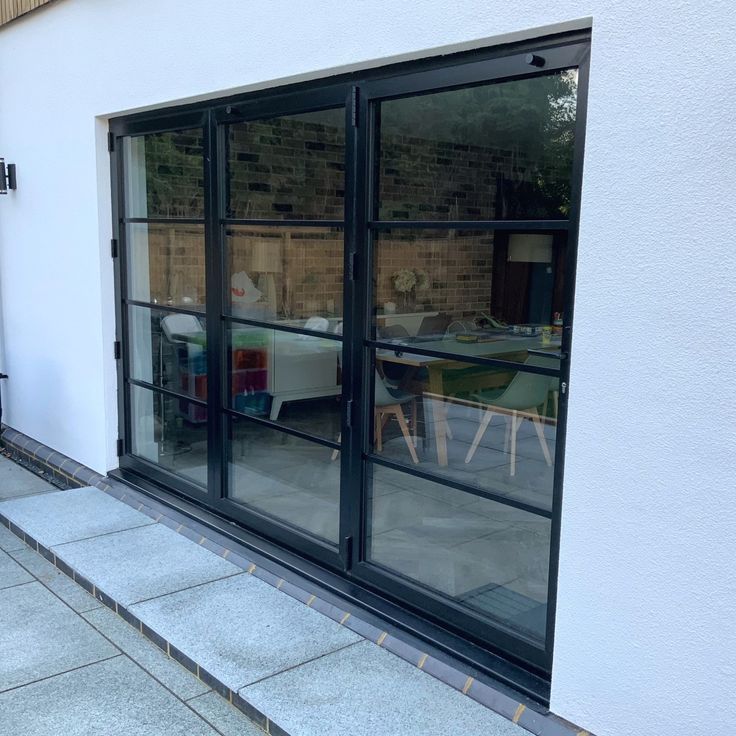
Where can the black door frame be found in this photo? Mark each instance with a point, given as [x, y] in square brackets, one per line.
[357, 93]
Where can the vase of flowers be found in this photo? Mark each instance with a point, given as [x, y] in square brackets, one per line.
[407, 281]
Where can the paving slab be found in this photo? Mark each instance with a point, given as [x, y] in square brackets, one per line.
[70, 592]
[224, 717]
[17, 481]
[8, 540]
[242, 629]
[144, 562]
[11, 573]
[363, 691]
[66, 516]
[166, 670]
[40, 637]
[112, 697]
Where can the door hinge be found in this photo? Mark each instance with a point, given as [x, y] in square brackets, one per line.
[118, 350]
[352, 266]
[119, 447]
[110, 141]
[354, 107]
[349, 407]
[114, 247]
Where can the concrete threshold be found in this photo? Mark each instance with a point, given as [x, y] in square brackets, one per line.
[292, 662]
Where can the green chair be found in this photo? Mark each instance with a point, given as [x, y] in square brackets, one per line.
[519, 401]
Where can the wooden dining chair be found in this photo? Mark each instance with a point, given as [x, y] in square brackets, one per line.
[389, 403]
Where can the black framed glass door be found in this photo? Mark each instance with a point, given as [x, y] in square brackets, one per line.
[163, 288]
[282, 230]
[464, 348]
[345, 311]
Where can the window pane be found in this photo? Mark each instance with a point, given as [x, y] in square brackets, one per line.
[164, 174]
[486, 293]
[291, 167]
[292, 379]
[166, 264]
[168, 350]
[487, 556]
[287, 275]
[488, 427]
[170, 432]
[286, 477]
[497, 151]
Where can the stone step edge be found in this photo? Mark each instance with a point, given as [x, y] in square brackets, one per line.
[69, 472]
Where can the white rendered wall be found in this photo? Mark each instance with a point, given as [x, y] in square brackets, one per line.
[645, 637]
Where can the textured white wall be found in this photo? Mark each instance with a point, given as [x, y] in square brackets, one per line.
[645, 637]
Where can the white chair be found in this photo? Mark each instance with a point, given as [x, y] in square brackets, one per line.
[520, 400]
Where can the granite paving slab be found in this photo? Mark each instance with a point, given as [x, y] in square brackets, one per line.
[144, 562]
[363, 691]
[224, 717]
[66, 516]
[167, 671]
[40, 637]
[11, 573]
[17, 481]
[111, 697]
[70, 592]
[242, 629]
[8, 540]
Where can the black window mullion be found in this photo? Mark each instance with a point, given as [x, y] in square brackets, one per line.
[460, 358]
[234, 221]
[417, 472]
[173, 308]
[166, 391]
[521, 225]
[163, 220]
[285, 428]
[213, 279]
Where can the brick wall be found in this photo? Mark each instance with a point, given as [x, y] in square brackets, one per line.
[293, 168]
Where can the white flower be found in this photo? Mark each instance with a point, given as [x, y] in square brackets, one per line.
[404, 280]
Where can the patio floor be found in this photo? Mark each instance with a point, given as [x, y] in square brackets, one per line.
[73, 664]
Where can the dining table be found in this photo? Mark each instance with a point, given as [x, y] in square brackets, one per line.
[451, 374]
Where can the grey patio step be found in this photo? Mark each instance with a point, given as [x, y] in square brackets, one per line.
[293, 663]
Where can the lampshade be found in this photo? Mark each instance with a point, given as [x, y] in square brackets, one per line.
[530, 248]
[265, 255]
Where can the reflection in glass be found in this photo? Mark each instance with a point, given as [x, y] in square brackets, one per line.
[496, 151]
[485, 555]
[292, 379]
[286, 477]
[291, 167]
[487, 427]
[166, 264]
[474, 283]
[170, 432]
[164, 174]
[168, 350]
[286, 275]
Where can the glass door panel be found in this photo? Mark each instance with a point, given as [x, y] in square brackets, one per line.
[489, 152]
[482, 426]
[286, 477]
[170, 432]
[480, 554]
[163, 246]
[458, 290]
[463, 350]
[284, 294]
[286, 275]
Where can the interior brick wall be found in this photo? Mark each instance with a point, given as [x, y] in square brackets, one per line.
[293, 168]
